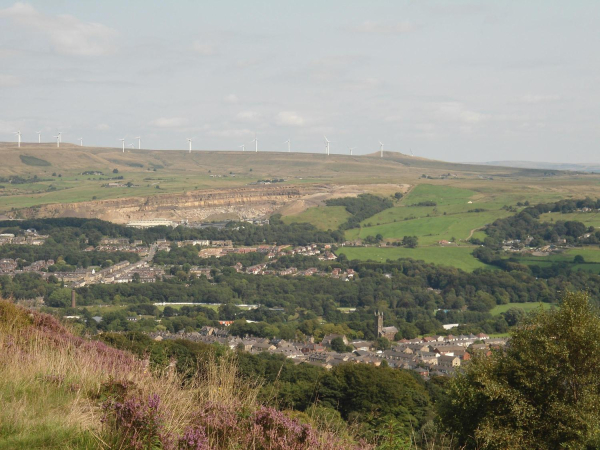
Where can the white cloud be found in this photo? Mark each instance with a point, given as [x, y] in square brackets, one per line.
[384, 28]
[9, 80]
[169, 122]
[231, 98]
[248, 116]
[203, 48]
[102, 127]
[67, 34]
[289, 118]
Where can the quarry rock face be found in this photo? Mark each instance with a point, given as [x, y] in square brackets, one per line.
[245, 203]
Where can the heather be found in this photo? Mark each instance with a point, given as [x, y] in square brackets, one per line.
[59, 390]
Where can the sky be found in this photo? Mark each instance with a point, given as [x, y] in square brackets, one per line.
[452, 80]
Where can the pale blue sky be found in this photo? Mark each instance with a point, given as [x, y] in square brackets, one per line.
[454, 80]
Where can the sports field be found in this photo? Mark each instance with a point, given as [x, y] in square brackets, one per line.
[527, 307]
[459, 257]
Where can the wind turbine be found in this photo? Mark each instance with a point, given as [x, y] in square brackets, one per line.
[352, 148]
[243, 147]
[190, 142]
[60, 136]
[57, 140]
[411, 153]
[130, 145]
[123, 141]
[80, 142]
[139, 138]
[255, 140]
[326, 145]
[380, 149]
[18, 133]
[289, 143]
[39, 133]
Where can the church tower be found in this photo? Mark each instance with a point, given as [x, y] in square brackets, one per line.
[379, 324]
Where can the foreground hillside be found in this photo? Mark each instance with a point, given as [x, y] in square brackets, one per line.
[62, 391]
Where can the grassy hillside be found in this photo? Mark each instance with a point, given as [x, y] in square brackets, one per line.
[63, 392]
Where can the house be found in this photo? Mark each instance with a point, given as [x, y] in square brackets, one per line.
[312, 348]
[448, 361]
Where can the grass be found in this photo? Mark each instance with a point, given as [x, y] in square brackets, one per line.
[54, 395]
[591, 256]
[448, 219]
[323, 217]
[459, 257]
[431, 230]
[589, 219]
[527, 307]
[442, 195]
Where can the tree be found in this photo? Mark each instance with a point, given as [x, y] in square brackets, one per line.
[337, 345]
[410, 241]
[578, 259]
[398, 195]
[542, 392]
[382, 343]
[115, 170]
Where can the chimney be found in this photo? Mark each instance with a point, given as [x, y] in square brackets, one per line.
[73, 298]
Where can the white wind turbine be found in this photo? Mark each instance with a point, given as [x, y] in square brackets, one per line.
[190, 143]
[60, 136]
[39, 133]
[131, 145]
[57, 140]
[80, 142]
[352, 148]
[411, 153]
[255, 140]
[123, 142]
[326, 145]
[380, 149]
[139, 138]
[289, 143]
[18, 133]
[243, 147]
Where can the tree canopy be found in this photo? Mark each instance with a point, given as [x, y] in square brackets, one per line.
[542, 392]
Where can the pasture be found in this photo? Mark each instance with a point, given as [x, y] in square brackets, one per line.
[323, 217]
[591, 256]
[450, 218]
[588, 218]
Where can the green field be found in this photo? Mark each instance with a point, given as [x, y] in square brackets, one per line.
[527, 307]
[323, 217]
[459, 257]
[450, 218]
[590, 254]
[589, 219]
[433, 229]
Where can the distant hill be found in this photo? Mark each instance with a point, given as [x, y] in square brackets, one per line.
[589, 167]
[47, 158]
